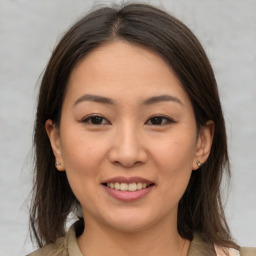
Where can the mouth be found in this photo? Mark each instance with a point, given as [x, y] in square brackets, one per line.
[128, 185]
[131, 187]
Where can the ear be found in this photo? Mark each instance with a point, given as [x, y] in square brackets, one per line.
[53, 133]
[204, 144]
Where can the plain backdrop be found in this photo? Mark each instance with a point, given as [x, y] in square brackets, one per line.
[29, 30]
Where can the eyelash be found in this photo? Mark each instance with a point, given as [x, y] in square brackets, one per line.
[98, 120]
[90, 118]
[160, 118]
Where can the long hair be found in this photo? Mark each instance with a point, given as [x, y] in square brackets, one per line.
[200, 209]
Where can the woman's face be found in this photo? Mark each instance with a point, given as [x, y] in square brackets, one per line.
[127, 137]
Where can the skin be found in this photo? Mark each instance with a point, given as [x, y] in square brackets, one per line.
[128, 142]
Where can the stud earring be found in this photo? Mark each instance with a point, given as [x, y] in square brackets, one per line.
[58, 163]
[199, 164]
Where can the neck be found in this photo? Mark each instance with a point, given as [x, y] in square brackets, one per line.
[162, 240]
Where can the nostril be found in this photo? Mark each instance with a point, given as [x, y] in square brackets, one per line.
[127, 155]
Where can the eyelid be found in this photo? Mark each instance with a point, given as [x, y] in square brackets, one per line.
[169, 120]
[86, 119]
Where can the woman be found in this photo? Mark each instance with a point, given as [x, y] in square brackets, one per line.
[130, 137]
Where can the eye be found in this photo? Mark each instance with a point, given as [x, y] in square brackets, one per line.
[159, 120]
[96, 120]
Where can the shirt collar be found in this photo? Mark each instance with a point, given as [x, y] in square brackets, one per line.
[197, 247]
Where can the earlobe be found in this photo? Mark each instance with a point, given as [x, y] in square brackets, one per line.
[53, 134]
[204, 144]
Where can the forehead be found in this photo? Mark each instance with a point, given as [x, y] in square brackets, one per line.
[123, 57]
[121, 69]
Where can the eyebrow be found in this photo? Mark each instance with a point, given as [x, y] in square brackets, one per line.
[94, 98]
[109, 101]
[161, 98]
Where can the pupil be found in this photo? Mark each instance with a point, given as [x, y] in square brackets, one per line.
[156, 120]
[96, 120]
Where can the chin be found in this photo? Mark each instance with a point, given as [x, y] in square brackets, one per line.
[130, 222]
[130, 227]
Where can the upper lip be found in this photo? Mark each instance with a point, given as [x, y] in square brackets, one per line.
[121, 179]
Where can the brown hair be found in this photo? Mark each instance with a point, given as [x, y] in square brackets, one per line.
[200, 209]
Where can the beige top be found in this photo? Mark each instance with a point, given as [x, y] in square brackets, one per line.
[67, 246]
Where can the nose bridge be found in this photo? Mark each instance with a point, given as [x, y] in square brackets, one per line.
[129, 139]
[127, 148]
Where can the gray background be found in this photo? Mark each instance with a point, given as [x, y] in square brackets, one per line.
[29, 31]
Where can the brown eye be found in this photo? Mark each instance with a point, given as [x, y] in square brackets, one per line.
[159, 120]
[96, 120]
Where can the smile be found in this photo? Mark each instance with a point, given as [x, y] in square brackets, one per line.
[128, 189]
[127, 186]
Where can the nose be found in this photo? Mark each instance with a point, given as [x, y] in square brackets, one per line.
[127, 148]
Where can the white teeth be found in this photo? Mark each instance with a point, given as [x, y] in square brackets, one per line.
[139, 185]
[127, 186]
[124, 186]
[117, 186]
[132, 187]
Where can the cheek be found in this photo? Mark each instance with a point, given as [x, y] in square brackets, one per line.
[174, 160]
[82, 158]
[175, 153]
[80, 151]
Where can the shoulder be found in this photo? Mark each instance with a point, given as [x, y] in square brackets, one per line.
[248, 251]
[58, 248]
[64, 246]
[243, 251]
[199, 247]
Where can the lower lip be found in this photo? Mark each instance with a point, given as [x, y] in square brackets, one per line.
[128, 195]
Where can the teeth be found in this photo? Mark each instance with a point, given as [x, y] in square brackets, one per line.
[124, 186]
[140, 185]
[127, 186]
[132, 187]
[117, 186]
